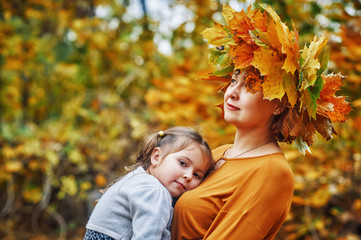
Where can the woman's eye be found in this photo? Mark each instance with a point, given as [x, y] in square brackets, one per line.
[233, 81]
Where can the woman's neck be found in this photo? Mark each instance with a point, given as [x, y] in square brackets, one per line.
[246, 140]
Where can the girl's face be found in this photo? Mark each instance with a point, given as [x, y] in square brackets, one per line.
[245, 109]
[180, 171]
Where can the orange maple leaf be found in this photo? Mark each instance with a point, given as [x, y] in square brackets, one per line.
[335, 107]
[242, 54]
[254, 80]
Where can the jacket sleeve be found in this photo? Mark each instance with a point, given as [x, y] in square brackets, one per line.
[151, 212]
[262, 214]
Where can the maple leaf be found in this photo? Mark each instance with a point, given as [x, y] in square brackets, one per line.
[236, 19]
[225, 72]
[253, 80]
[324, 126]
[263, 58]
[227, 12]
[309, 129]
[290, 87]
[259, 19]
[242, 55]
[220, 58]
[335, 107]
[310, 63]
[212, 77]
[308, 101]
[218, 35]
[288, 39]
[314, 93]
[273, 83]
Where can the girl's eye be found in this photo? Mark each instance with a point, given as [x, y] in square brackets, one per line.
[197, 175]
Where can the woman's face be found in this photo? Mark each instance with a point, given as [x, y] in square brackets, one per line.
[245, 109]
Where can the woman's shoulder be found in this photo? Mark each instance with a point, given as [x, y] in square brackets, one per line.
[279, 168]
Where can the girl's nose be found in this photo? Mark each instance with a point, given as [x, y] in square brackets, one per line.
[187, 176]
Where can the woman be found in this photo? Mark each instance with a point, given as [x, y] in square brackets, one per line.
[272, 95]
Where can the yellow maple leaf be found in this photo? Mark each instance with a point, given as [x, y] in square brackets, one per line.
[290, 86]
[288, 40]
[227, 12]
[262, 59]
[310, 63]
[217, 35]
[272, 84]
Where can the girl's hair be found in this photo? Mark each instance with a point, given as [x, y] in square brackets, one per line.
[171, 141]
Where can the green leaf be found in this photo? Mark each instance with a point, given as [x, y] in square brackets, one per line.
[224, 71]
[317, 88]
[300, 80]
[312, 107]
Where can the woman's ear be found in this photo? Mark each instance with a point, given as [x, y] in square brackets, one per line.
[155, 157]
[278, 110]
[280, 106]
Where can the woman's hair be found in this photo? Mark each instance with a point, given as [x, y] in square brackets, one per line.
[170, 141]
[285, 127]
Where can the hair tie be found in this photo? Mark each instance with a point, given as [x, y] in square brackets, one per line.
[161, 134]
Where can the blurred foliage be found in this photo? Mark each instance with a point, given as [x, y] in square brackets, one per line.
[82, 82]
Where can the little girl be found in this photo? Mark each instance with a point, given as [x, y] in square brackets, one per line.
[139, 205]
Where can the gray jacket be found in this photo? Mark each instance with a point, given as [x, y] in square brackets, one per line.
[137, 206]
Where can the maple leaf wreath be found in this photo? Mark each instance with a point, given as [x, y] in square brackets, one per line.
[260, 43]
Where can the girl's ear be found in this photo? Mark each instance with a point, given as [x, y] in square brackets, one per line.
[156, 156]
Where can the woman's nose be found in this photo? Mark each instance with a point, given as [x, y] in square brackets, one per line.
[234, 91]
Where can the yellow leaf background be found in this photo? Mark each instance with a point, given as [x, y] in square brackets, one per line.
[78, 92]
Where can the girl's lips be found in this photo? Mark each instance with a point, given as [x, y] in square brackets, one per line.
[181, 185]
[231, 107]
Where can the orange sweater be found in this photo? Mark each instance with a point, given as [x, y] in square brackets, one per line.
[245, 199]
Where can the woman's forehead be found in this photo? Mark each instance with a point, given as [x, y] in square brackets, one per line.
[238, 73]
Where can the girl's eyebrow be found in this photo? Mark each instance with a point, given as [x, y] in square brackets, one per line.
[188, 159]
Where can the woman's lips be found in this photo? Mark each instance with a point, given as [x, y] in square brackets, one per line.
[231, 107]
